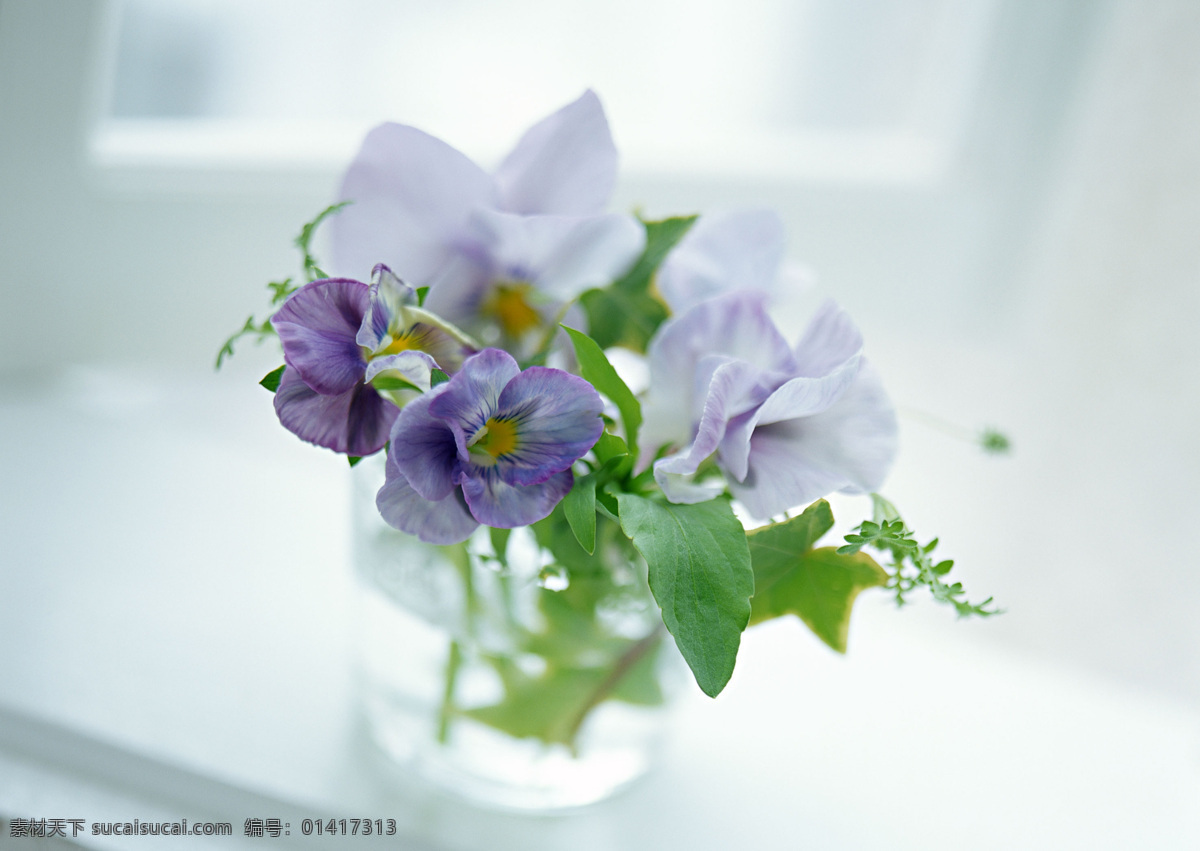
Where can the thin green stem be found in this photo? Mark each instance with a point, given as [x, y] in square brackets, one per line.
[447, 708]
[622, 667]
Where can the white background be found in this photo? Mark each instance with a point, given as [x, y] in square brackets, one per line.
[1009, 209]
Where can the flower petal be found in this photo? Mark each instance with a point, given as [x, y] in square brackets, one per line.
[388, 296]
[723, 252]
[317, 326]
[496, 503]
[566, 163]
[470, 397]
[829, 342]
[849, 447]
[423, 450]
[797, 397]
[674, 474]
[556, 417]
[412, 366]
[443, 521]
[560, 255]
[355, 422]
[411, 194]
[735, 326]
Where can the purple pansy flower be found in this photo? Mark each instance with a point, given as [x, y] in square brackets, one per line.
[353, 354]
[501, 252]
[493, 445]
[786, 426]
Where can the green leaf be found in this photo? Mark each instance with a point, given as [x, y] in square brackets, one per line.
[545, 708]
[608, 447]
[819, 586]
[771, 547]
[353, 459]
[700, 576]
[422, 292]
[627, 313]
[579, 506]
[392, 382]
[594, 366]
[661, 237]
[436, 377]
[617, 318]
[272, 378]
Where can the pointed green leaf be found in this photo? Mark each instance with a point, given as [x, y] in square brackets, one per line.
[353, 459]
[661, 237]
[579, 505]
[700, 576]
[594, 366]
[436, 377]
[271, 379]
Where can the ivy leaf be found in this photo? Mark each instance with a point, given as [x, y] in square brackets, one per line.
[700, 576]
[545, 708]
[819, 586]
[579, 506]
[594, 366]
[271, 379]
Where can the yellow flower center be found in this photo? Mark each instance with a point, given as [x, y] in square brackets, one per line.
[403, 343]
[497, 437]
[508, 304]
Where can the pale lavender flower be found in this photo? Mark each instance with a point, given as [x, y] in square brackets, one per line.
[493, 445]
[339, 336]
[785, 426]
[501, 252]
[739, 250]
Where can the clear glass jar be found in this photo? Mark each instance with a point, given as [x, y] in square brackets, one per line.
[514, 670]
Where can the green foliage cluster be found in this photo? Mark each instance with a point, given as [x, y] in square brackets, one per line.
[710, 577]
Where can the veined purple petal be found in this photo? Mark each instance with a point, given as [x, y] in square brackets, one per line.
[496, 503]
[566, 163]
[560, 255]
[317, 326]
[848, 447]
[556, 419]
[388, 295]
[423, 449]
[411, 194]
[722, 252]
[443, 521]
[355, 422]
[470, 397]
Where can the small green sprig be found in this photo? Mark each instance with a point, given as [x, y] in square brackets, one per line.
[311, 270]
[912, 563]
[280, 290]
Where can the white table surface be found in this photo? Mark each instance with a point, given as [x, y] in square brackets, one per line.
[176, 610]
